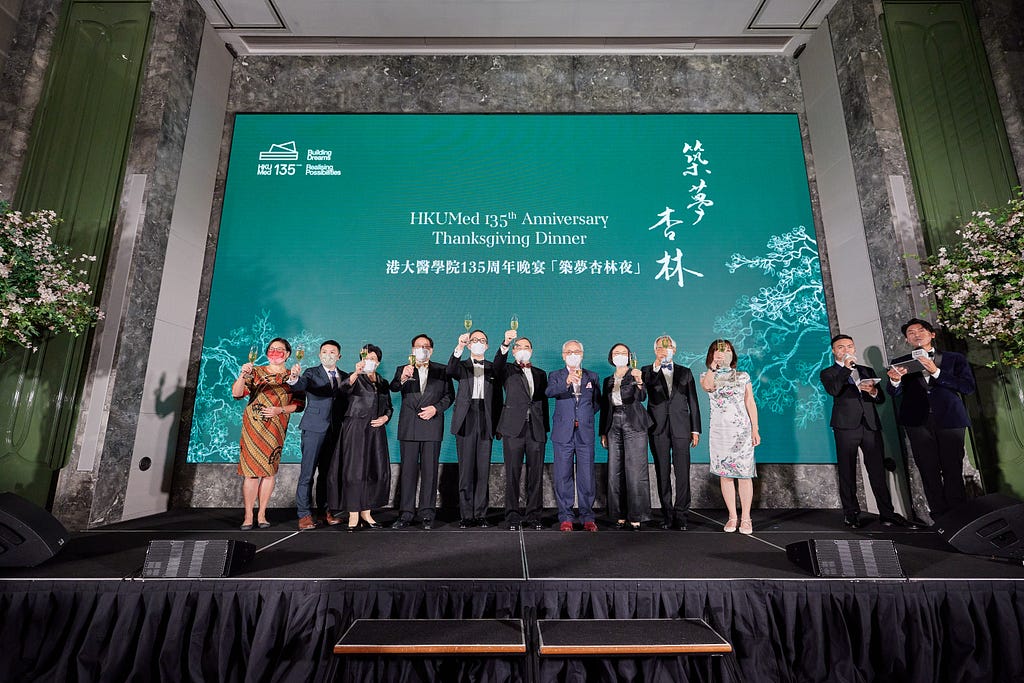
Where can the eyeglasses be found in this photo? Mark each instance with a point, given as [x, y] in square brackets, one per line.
[478, 340]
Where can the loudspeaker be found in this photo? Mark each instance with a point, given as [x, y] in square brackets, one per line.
[847, 558]
[196, 559]
[29, 534]
[991, 525]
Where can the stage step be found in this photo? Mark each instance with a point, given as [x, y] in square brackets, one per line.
[433, 637]
[626, 637]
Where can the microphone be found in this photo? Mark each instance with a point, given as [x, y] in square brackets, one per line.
[849, 360]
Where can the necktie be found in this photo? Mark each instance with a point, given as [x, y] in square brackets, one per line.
[854, 375]
[334, 376]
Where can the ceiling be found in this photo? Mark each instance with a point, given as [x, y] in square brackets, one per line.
[515, 26]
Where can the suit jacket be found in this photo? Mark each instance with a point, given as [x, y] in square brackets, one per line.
[366, 399]
[569, 410]
[437, 392]
[849, 404]
[681, 409]
[462, 371]
[323, 407]
[518, 401]
[633, 397]
[940, 398]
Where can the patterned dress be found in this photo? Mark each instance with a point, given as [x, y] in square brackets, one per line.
[730, 436]
[263, 438]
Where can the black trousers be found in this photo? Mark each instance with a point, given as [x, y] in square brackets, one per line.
[629, 480]
[939, 456]
[419, 463]
[474, 463]
[514, 448]
[870, 443]
[670, 450]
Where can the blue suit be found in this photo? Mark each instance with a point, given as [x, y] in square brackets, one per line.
[573, 434]
[319, 427]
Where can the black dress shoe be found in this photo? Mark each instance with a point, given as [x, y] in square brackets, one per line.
[634, 527]
[370, 525]
[680, 525]
[853, 521]
[896, 519]
[537, 525]
[400, 524]
[482, 523]
[513, 526]
[620, 525]
[428, 524]
[666, 525]
[465, 523]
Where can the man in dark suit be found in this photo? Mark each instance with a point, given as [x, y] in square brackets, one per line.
[320, 425]
[473, 418]
[577, 394]
[522, 427]
[932, 412]
[854, 391]
[426, 394]
[672, 405]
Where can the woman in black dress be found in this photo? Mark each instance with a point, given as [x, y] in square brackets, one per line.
[365, 467]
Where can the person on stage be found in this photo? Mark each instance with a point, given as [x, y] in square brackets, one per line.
[577, 395]
[426, 393]
[264, 426]
[523, 428]
[932, 412]
[361, 463]
[320, 423]
[473, 418]
[672, 405]
[733, 434]
[623, 429]
[856, 425]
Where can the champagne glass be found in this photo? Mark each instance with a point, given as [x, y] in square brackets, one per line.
[513, 324]
[412, 360]
[300, 352]
[362, 350]
[467, 322]
[252, 354]
[632, 360]
[721, 347]
[666, 343]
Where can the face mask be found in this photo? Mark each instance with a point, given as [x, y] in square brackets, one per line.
[477, 349]
[421, 354]
[726, 358]
[329, 360]
[668, 354]
[277, 357]
[369, 366]
[573, 360]
[620, 361]
[523, 355]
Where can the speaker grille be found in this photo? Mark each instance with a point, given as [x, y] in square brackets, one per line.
[186, 559]
[860, 558]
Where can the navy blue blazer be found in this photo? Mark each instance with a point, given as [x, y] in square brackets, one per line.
[324, 406]
[941, 398]
[850, 405]
[569, 410]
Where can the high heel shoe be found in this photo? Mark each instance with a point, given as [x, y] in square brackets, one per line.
[730, 526]
[746, 526]
[370, 525]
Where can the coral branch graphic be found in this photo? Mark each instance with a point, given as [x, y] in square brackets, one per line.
[782, 323]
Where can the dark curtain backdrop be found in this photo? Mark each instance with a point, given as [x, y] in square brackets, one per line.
[233, 630]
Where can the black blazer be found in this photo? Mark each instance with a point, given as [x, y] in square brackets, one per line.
[462, 371]
[941, 398]
[438, 392]
[633, 397]
[324, 406]
[366, 399]
[518, 401]
[850, 405]
[681, 410]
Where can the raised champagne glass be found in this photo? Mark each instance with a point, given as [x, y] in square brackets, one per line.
[513, 324]
[632, 360]
[300, 352]
[467, 322]
[252, 354]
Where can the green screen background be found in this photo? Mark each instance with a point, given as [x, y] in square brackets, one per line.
[306, 256]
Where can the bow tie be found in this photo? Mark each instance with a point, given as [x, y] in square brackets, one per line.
[478, 362]
[422, 365]
[524, 365]
[666, 366]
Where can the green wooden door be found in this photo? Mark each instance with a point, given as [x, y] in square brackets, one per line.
[74, 166]
[960, 161]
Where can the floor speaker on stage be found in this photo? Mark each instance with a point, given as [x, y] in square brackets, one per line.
[990, 525]
[196, 559]
[29, 534]
[871, 559]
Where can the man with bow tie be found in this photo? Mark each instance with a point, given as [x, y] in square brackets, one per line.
[577, 394]
[473, 425]
[426, 393]
[672, 405]
[932, 412]
[522, 428]
[320, 428]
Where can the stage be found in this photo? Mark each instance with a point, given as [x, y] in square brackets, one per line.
[84, 615]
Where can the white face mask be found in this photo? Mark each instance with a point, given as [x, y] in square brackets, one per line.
[726, 358]
[329, 359]
[369, 365]
[573, 360]
[421, 354]
[620, 360]
[478, 348]
[523, 355]
[668, 354]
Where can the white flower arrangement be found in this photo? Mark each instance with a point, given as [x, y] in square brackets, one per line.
[43, 289]
[978, 283]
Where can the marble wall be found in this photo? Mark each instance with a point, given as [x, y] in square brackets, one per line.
[1002, 31]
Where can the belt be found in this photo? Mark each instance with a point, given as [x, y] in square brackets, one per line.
[618, 409]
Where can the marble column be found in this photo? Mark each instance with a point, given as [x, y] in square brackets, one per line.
[1002, 32]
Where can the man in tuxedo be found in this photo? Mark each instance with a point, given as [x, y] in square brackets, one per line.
[473, 418]
[522, 427]
[854, 391]
[672, 405]
[577, 395]
[426, 394]
[320, 425]
[932, 412]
